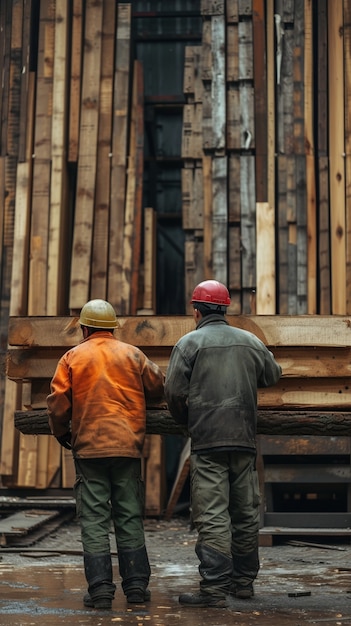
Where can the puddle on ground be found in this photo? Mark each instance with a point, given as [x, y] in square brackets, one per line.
[52, 596]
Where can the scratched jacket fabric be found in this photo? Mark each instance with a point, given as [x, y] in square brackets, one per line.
[211, 383]
[99, 391]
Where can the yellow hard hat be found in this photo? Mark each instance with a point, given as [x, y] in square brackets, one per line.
[98, 314]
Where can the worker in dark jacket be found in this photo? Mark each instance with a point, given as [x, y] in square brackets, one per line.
[97, 407]
[211, 387]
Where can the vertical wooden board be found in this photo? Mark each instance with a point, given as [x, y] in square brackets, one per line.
[234, 189]
[27, 44]
[298, 77]
[347, 57]
[207, 213]
[150, 260]
[99, 268]
[265, 259]
[271, 140]
[218, 83]
[189, 73]
[302, 243]
[8, 458]
[79, 291]
[58, 206]
[260, 99]
[15, 78]
[19, 277]
[232, 11]
[119, 153]
[245, 50]
[282, 236]
[323, 238]
[219, 219]
[206, 50]
[336, 159]
[322, 78]
[187, 131]
[133, 212]
[234, 258]
[248, 221]
[5, 41]
[154, 480]
[75, 79]
[37, 291]
[233, 121]
[193, 262]
[232, 53]
[187, 196]
[247, 117]
[198, 85]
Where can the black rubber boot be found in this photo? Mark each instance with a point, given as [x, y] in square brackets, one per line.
[98, 572]
[134, 568]
[245, 570]
[216, 571]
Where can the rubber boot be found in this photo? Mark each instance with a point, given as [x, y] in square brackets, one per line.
[134, 568]
[216, 570]
[98, 572]
[245, 570]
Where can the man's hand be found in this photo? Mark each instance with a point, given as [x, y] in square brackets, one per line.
[65, 440]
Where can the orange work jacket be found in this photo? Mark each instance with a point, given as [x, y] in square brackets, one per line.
[99, 392]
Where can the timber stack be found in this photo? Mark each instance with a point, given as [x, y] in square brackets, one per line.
[265, 183]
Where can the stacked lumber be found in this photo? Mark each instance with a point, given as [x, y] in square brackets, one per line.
[265, 182]
[311, 398]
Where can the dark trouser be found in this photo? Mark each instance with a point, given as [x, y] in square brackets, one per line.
[111, 489]
[225, 508]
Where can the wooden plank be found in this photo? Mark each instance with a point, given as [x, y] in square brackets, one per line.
[302, 473]
[79, 291]
[5, 41]
[282, 330]
[207, 215]
[311, 200]
[219, 219]
[133, 209]
[119, 153]
[260, 101]
[347, 61]
[336, 159]
[57, 269]
[9, 436]
[39, 363]
[270, 106]
[154, 479]
[304, 445]
[248, 221]
[37, 291]
[75, 80]
[265, 259]
[324, 241]
[99, 262]
[15, 78]
[149, 302]
[25, 72]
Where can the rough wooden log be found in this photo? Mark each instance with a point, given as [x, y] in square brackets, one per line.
[270, 422]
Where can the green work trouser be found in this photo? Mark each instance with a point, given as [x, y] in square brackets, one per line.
[109, 489]
[225, 508]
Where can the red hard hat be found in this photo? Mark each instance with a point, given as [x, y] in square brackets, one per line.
[211, 292]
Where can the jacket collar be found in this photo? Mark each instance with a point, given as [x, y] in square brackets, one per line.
[213, 318]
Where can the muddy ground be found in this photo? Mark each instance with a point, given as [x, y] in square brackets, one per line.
[297, 584]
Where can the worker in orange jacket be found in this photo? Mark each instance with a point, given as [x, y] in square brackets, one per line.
[97, 408]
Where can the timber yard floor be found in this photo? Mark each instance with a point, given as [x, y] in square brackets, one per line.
[297, 584]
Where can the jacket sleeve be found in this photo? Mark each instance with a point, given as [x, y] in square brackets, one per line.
[153, 381]
[177, 386]
[59, 401]
[271, 371]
